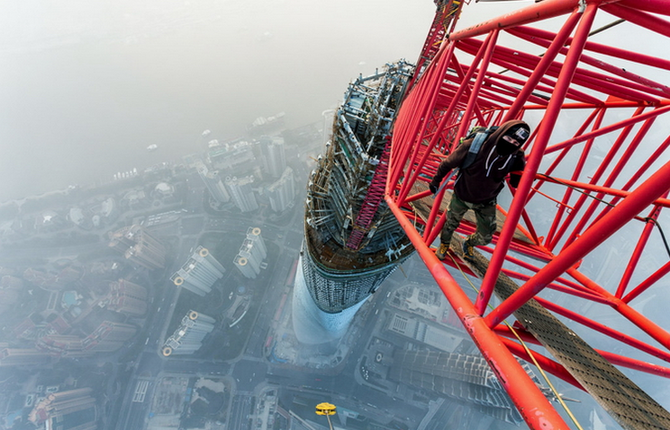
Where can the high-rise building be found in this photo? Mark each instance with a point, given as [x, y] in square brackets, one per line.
[259, 250]
[237, 155]
[62, 345]
[127, 297]
[274, 156]
[66, 410]
[251, 254]
[138, 246]
[247, 269]
[109, 336]
[242, 192]
[282, 192]
[146, 256]
[465, 378]
[199, 272]
[187, 339]
[214, 184]
[22, 357]
[352, 240]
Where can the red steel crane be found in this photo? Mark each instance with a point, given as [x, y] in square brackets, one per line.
[580, 249]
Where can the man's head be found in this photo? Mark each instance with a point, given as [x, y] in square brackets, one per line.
[513, 138]
[518, 134]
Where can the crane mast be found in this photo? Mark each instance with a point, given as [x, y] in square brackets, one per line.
[580, 251]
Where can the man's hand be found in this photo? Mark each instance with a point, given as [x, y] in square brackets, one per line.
[433, 188]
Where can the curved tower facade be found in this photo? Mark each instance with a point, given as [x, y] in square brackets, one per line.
[352, 240]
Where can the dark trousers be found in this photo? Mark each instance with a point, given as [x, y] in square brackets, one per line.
[485, 214]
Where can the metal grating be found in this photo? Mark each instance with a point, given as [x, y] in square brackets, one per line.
[619, 396]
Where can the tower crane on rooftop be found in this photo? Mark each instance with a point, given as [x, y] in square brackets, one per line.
[580, 251]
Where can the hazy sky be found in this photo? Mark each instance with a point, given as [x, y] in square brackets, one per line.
[86, 86]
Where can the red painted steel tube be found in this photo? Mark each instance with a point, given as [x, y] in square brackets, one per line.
[636, 256]
[482, 54]
[544, 38]
[558, 370]
[596, 117]
[642, 19]
[519, 330]
[581, 201]
[657, 333]
[443, 18]
[473, 95]
[535, 158]
[647, 283]
[535, 269]
[654, 6]
[647, 165]
[402, 131]
[608, 128]
[526, 65]
[591, 296]
[629, 152]
[544, 64]
[565, 286]
[529, 225]
[487, 51]
[428, 149]
[535, 409]
[641, 198]
[418, 196]
[413, 124]
[406, 126]
[604, 329]
[538, 11]
[624, 88]
[544, 362]
[631, 363]
[497, 79]
[661, 202]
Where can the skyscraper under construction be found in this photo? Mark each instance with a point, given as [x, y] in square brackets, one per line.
[352, 241]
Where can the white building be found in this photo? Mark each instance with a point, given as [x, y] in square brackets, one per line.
[274, 157]
[252, 253]
[242, 193]
[282, 192]
[214, 184]
[199, 272]
[187, 339]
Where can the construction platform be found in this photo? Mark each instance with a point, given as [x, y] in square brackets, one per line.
[617, 394]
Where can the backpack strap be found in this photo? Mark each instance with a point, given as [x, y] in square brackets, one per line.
[479, 134]
[476, 145]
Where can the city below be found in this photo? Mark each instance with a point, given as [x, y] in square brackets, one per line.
[163, 300]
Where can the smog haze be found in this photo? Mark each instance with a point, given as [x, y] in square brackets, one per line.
[85, 87]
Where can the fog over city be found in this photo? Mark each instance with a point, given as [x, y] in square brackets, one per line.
[87, 86]
[157, 159]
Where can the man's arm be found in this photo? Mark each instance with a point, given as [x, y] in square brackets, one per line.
[452, 161]
[518, 165]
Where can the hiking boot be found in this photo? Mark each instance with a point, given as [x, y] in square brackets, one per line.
[468, 251]
[442, 251]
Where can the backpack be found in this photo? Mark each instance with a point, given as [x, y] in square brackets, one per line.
[479, 136]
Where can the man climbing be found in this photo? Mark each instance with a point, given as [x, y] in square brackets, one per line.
[480, 181]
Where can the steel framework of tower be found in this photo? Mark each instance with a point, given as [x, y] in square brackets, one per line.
[582, 239]
[352, 241]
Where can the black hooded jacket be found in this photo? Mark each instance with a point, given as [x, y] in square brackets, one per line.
[482, 181]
